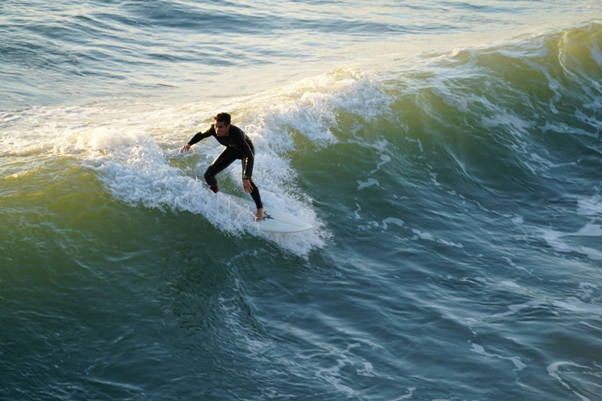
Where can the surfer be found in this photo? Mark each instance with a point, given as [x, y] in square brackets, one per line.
[238, 146]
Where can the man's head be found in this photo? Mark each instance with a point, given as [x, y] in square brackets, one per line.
[222, 124]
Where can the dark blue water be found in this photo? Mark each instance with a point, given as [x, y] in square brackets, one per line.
[447, 154]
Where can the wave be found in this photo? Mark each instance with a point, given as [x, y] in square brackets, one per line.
[135, 152]
[505, 119]
[535, 103]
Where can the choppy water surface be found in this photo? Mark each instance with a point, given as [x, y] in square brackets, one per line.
[447, 154]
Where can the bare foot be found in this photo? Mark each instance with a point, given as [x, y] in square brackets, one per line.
[259, 215]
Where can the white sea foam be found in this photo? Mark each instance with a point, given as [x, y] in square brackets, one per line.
[332, 376]
[440, 89]
[511, 263]
[420, 147]
[576, 305]
[369, 183]
[335, 374]
[588, 290]
[423, 236]
[584, 303]
[554, 239]
[511, 284]
[392, 220]
[518, 364]
[502, 117]
[596, 52]
[357, 212]
[543, 162]
[135, 152]
[407, 396]
[449, 243]
[514, 309]
[429, 237]
[563, 128]
[518, 220]
[554, 370]
[367, 370]
[310, 107]
[590, 207]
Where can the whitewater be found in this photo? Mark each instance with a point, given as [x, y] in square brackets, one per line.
[448, 155]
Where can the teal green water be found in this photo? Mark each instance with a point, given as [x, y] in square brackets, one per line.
[447, 154]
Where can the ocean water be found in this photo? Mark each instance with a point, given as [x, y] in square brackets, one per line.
[448, 154]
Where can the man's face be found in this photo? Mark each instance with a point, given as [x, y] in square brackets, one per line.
[221, 129]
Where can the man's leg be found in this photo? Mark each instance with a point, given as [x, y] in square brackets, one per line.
[220, 163]
[257, 198]
[254, 194]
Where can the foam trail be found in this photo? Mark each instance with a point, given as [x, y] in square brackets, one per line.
[135, 152]
[554, 371]
[518, 364]
[553, 238]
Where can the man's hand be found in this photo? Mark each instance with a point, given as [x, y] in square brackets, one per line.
[246, 184]
[185, 148]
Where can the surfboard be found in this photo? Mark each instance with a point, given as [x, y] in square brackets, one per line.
[276, 221]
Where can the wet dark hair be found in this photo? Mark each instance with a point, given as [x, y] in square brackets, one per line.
[222, 118]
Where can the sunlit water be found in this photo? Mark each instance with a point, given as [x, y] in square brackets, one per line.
[447, 154]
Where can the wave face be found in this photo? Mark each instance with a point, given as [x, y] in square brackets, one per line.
[455, 193]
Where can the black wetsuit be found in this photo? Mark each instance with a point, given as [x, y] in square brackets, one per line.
[238, 146]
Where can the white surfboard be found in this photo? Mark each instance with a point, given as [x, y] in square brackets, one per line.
[276, 221]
